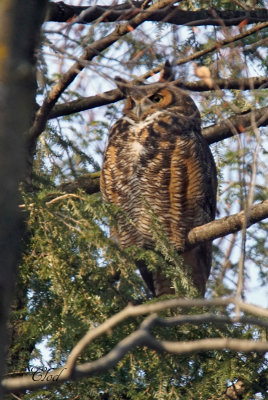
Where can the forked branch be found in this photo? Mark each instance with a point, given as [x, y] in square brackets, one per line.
[143, 337]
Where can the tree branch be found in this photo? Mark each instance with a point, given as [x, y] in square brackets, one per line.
[225, 226]
[94, 49]
[235, 125]
[112, 96]
[90, 183]
[61, 12]
[143, 337]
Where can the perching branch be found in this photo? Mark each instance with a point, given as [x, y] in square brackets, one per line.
[225, 226]
[61, 12]
[143, 337]
[212, 230]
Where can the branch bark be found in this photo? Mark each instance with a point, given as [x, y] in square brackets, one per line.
[225, 226]
[61, 12]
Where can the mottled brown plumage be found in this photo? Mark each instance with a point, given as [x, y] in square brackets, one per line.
[157, 155]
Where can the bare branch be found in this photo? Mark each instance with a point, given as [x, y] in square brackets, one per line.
[212, 344]
[258, 82]
[61, 12]
[209, 318]
[142, 337]
[112, 96]
[139, 338]
[91, 51]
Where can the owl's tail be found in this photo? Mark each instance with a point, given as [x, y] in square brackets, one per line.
[197, 260]
[162, 284]
[156, 282]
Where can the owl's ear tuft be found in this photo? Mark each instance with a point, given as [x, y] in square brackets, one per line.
[166, 74]
[122, 84]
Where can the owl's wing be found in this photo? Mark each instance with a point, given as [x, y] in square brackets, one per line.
[194, 182]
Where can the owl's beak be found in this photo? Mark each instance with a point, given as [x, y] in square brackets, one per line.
[140, 108]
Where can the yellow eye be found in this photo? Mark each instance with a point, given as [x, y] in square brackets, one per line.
[156, 98]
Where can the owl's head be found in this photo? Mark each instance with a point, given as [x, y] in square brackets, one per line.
[145, 100]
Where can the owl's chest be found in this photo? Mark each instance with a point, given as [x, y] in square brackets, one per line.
[144, 142]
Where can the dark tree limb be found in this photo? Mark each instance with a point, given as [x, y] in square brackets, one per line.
[112, 96]
[235, 125]
[257, 82]
[90, 183]
[61, 12]
[86, 103]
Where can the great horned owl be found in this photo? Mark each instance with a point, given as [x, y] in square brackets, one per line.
[157, 156]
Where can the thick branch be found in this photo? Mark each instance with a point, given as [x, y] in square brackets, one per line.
[138, 338]
[143, 337]
[112, 96]
[61, 12]
[227, 225]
